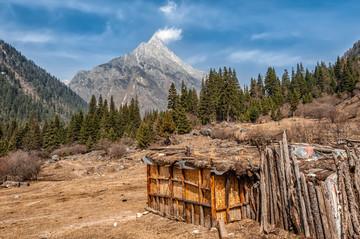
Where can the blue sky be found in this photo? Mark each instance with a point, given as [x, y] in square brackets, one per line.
[64, 36]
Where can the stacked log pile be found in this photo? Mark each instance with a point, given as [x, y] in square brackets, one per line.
[303, 203]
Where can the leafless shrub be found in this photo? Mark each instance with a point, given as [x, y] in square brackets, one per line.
[20, 166]
[259, 136]
[226, 133]
[319, 111]
[103, 144]
[117, 150]
[69, 150]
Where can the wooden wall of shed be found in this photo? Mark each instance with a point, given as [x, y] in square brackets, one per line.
[235, 197]
[307, 205]
[180, 194]
[188, 195]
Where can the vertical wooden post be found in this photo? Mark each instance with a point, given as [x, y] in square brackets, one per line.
[184, 195]
[264, 217]
[171, 199]
[281, 171]
[304, 220]
[148, 184]
[227, 192]
[201, 216]
[192, 214]
[213, 201]
[158, 186]
[242, 198]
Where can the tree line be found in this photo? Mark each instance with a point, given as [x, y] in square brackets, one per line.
[221, 99]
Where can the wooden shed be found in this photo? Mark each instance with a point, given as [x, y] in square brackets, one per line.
[202, 186]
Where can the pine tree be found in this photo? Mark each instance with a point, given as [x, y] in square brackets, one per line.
[143, 136]
[184, 98]
[173, 98]
[183, 124]
[167, 125]
[33, 137]
[53, 135]
[112, 135]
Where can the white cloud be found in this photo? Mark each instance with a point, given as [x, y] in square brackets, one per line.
[169, 8]
[260, 36]
[26, 36]
[264, 57]
[169, 34]
[33, 38]
[195, 60]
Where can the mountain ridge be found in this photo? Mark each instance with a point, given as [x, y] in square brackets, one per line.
[26, 87]
[146, 72]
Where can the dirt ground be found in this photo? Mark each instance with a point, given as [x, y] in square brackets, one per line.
[89, 196]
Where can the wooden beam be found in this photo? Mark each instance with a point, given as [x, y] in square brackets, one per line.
[283, 189]
[213, 201]
[192, 214]
[264, 218]
[307, 204]
[322, 210]
[222, 230]
[181, 200]
[157, 179]
[162, 214]
[171, 200]
[185, 210]
[329, 212]
[227, 192]
[148, 184]
[304, 220]
[315, 211]
[241, 197]
[201, 209]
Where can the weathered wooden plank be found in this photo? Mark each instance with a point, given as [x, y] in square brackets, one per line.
[201, 219]
[329, 212]
[227, 192]
[315, 211]
[192, 214]
[357, 174]
[343, 199]
[201, 212]
[161, 214]
[222, 230]
[307, 204]
[351, 201]
[148, 184]
[303, 215]
[213, 201]
[171, 207]
[264, 217]
[282, 184]
[287, 165]
[181, 200]
[272, 178]
[269, 187]
[183, 193]
[324, 219]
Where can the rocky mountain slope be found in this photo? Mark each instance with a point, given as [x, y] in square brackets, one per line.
[355, 50]
[146, 72]
[25, 87]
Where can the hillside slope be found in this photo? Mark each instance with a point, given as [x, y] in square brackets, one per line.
[25, 87]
